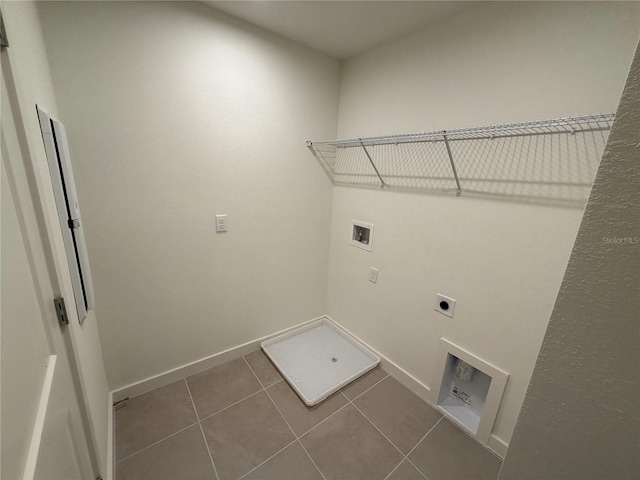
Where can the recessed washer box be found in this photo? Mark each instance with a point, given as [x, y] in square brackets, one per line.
[361, 234]
[319, 359]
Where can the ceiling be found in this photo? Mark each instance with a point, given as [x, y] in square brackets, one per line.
[341, 29]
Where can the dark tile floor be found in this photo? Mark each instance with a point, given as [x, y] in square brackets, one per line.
[241, 420]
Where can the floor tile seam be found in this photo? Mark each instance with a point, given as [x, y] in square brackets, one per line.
[437, 410]
[157, 442]
[416, 446]
[394, 469]
[206, 444]
[266, 460]
[232, 405]
[359, 395]
[420, 397]
[282, 415]
[312, 460]
[378, 429]
[254, 373]
[425, 436]
[324, 420]
[417, 469]
[406, 457]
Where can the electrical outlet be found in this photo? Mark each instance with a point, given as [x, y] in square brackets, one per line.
[445, 305]
[373, 275]
[221, 223]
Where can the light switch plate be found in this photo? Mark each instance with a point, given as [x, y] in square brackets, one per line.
[373, 275]
[221, 223]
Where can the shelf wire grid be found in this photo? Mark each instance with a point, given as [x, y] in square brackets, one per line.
[553, 160]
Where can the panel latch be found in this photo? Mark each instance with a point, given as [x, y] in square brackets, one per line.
[61, 310]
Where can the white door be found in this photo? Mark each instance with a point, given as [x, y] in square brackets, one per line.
[53, 416]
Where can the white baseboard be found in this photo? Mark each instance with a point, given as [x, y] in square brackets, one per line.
[498, 446]
[495, 444]
[111, 442]
[162, 379]
[400, 374]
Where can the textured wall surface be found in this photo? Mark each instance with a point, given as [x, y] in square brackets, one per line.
[580, 417]
[176, 113]
[502, 260]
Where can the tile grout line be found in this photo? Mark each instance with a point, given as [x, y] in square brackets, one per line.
[262, 387]
[376, 427]
[206, 444]
[418, 443]
[254, 373]
[296, 435]
[155, 443]
[297, 439]
[290, 428]
[417, 469]
[229, 406]
[405, 457]
[312, 460]
[265, 461]
[360, 394]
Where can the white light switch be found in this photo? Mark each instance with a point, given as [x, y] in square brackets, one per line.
[373, 275]
[221, 223]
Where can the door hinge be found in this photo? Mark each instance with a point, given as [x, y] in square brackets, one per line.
[61, 310]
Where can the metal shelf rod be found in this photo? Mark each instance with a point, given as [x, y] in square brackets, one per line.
[373, 164]
[453, 165]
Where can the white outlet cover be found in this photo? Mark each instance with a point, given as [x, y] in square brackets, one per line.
[221, 223]
[373, 275]
[445, 305]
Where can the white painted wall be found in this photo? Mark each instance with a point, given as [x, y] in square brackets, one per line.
[175, 113]
[580, 418]
[502, 261]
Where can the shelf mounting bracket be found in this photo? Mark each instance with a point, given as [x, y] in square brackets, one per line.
[453, 165]
[382, 184]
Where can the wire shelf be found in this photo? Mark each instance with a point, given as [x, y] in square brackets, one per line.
[549, 159]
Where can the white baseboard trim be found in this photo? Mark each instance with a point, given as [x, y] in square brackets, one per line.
[162, 379]
[495, 444]
[400, 374]
[498, 446]
[111, 442]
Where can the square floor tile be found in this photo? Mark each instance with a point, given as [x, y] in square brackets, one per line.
[366, 381]
[406, 471]
[293, 409]
[347, 446]
[245, 435]
[398, 412]
[448, 453]
[221, 386]
[150, 417]
[182, 456]
[263, 368]
[292, 463]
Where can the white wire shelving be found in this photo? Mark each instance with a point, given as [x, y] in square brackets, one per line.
[554, 158]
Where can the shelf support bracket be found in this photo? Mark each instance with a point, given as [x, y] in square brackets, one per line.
[453, 165]
[382, 184]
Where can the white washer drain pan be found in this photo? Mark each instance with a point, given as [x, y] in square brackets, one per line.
[318, 359]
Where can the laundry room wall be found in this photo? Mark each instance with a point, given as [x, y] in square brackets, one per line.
[175, 113]
[502, 257]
